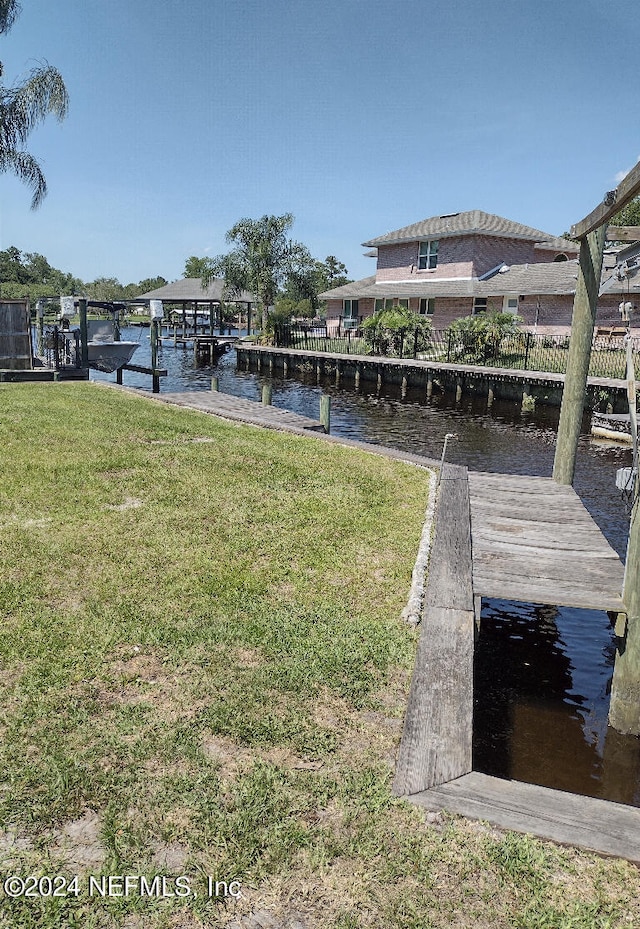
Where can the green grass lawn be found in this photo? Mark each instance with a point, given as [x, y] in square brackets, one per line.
[203, 673]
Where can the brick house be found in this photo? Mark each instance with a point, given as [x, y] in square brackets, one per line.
[461, 264]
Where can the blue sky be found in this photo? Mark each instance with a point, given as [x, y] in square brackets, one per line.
[357, 116]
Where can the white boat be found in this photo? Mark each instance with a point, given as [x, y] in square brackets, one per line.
[106, 353]
[110, 356]
[613, 426]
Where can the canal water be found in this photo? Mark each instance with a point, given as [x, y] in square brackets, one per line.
[543, 673]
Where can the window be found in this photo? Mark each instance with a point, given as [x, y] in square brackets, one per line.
[428, 255]
[427, 306]
[510, 305]
[404, 303]
[383, 303]
[350, 314]
[479, 306]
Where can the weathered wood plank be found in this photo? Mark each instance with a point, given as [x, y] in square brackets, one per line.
[241, 410]
[451, 559]
[529, 548]
[598, 825]
[436, 741]
[550, 567]
[580, 598]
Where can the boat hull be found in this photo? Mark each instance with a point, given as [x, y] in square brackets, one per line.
[110, 356]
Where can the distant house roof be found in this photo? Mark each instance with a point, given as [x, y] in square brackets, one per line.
[190, 290]
[554, 277]
[472, 222]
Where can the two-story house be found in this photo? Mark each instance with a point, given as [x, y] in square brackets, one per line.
[461, 264]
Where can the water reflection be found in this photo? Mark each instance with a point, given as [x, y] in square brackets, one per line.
[543, 673]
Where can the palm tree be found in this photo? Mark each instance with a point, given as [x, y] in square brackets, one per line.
[22, 108]
[263, 259]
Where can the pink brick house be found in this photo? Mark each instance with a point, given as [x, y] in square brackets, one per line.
[460, 264]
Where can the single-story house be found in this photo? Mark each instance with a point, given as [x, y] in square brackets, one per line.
[461, 264]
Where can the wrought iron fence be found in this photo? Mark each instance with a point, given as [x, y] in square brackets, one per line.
[523, 351]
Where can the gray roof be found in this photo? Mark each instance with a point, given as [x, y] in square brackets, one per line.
[190, 290]
[553, 277]
[472, 222]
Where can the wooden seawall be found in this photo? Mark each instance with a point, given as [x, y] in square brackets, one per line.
[493, 383]
[518, 538]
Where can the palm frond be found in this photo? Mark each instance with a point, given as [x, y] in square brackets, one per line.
[9, 12]
[25, 167]
[28, 103]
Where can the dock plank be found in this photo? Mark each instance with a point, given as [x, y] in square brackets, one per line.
[569, 819]
[436, 743]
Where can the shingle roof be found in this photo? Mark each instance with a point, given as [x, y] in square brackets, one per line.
[190, 290]
[469, 223]
[553, 277]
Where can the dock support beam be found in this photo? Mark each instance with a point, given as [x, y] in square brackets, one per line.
[575, 383]
[267, 393]
[429, 385]
[325, 412]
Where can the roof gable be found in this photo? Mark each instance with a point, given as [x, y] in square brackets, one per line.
[472, 222]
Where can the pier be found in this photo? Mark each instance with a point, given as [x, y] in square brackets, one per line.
[520, 538]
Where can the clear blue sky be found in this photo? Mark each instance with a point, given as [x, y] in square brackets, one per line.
[357, 116]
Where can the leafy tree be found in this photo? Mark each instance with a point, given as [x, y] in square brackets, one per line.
[628, 215]
[388, 331]
[196, 267]
[30, 275]
[262, 261]
[22, 108]
[331, 273]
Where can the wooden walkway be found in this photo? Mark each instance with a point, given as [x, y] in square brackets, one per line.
[241, 410]
[534, 541]
[516, 538]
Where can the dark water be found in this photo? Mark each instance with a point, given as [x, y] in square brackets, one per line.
[542, 673]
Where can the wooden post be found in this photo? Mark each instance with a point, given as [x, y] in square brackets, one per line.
[285, 366]
[357, 377]
[528, 400]
[491, 394]
[575, 382]
[624, 708]
[215, 384]
[317, 371]
[155, 379]
[84, 351]
[267, 392]
[403, 389]
[325, 412]
[337, 373]
[379, 380]
[184, 320]
[458, 390]
[429, 385]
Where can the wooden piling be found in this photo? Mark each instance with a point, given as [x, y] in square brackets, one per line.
[357, 377]
[575, 383]
[490, 394]
[215, 385]
[325, 412]
[337, 373]
[429, 385]
[458, 389]
[403, 388]
[267, 393]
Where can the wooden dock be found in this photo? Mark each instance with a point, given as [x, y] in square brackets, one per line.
[517, 538]
[533, 540]
[241, 410]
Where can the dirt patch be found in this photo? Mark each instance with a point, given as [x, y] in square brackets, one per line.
[78, 843]
[129, 503]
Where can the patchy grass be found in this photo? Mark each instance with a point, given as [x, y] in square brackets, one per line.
[203, 673]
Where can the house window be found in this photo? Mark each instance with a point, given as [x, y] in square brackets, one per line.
[383, 303]
[479, 306]
[428, 255]
[350, 314]
[404, 303]
[427, 306]
[510, 305]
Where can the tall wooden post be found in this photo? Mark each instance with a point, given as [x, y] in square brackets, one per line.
[325, 412]
[155, 378]
[84, 350]
[624, 708]
[575, 382]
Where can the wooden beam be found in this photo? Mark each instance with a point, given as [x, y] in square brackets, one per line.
[623, 233]
[614, 201]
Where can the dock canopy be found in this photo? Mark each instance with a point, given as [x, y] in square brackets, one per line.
[190, 290]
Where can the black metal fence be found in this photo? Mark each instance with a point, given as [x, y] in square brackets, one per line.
[522, 351]
[59, 348]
